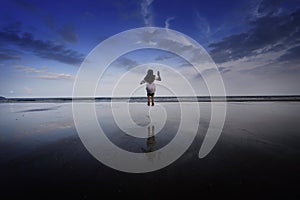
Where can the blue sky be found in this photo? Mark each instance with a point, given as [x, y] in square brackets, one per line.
[255, 44]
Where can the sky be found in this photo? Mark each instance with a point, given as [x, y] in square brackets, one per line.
[255, 44]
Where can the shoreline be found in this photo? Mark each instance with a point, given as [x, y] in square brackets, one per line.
[157, 99]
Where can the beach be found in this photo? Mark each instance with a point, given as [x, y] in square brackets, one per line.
[257, 153]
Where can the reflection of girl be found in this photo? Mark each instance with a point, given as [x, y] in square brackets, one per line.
[150, 87]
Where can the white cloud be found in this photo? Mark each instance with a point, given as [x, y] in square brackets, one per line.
[27, 69]
[42, 73]
[262, 8]
[252, 62]
[146, 12]
[53, 76]
[203, 25]
[167, 22]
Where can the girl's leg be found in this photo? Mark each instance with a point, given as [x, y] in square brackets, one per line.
[153, 100]
[148, 101]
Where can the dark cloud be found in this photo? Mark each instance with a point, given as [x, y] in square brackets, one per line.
[165, 57]
[292, 55]
[13, 28]
[126, 62]
[212, 71]
[224, 70]
[8, 57]
[44, 49]
[149, 36]
[175, 45]
[8, 54]
[267, 8]
[68, 33]
[26, 5]
[268, 33]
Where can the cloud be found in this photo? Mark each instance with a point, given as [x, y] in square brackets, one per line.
[267, 34]
[26, 5]
[263, 8]
[44, 49]
[53, 76]
[68, 33]
[146, 12]
[8, 54]
[27, 69]
[202, 25]
[28, 90]
[126, 62]
[211, 71]
[13, 27]
[292, 55]
[42, 73]
[175, 42]
[224, 70]
[7, 57]
[165, 57]
[167, 22]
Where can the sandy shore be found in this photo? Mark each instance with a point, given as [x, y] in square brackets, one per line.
[257, 154]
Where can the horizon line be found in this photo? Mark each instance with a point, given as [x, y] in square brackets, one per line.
[248, 98]
[198, 96]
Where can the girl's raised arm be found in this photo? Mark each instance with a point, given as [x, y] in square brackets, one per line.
[158, 76]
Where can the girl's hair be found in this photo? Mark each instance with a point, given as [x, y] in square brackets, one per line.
[150, 77]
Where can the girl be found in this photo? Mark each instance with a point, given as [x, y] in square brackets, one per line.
[150, 87]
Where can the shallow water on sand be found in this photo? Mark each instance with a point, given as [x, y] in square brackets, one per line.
[258, 151]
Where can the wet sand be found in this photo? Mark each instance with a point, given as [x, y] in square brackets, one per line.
[257, 155]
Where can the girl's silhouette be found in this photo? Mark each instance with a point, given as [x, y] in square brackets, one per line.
[150, 87]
